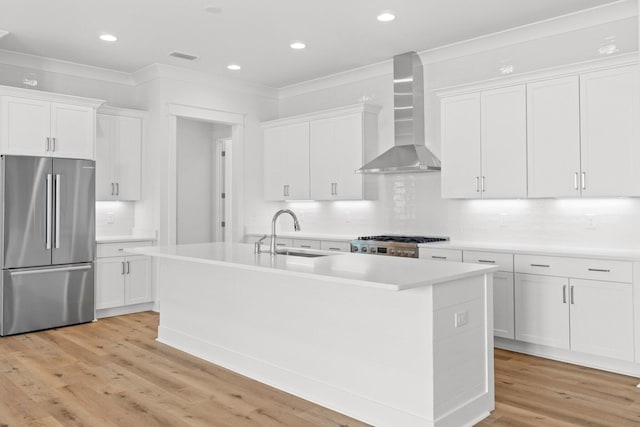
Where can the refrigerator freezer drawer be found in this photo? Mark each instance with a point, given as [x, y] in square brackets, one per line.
[46, 297]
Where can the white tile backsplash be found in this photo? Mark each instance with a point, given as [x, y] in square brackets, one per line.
[114, 218]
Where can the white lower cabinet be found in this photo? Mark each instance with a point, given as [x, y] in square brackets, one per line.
[122, 281]
[587, 316]
[503, 300]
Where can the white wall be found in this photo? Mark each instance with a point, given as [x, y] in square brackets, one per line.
[114, 218]
[412, 203]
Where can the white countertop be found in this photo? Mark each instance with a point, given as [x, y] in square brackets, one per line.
[124, 238]
[384, 272]
[312, 236]
[516, 248]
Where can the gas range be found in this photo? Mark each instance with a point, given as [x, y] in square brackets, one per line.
[405, 246]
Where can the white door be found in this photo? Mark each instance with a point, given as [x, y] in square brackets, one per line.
[610, 107]
[26, 126]
[128, 149]
[542, 310]
[73, 128]
[504, 143]
[553, 138]
[602, 318]
[138, 280]
[110, 282]
[503, 314]
[347, 149]
[323, 155]
[105, 182]
[275, 163]
[297, 161]
[460, 134]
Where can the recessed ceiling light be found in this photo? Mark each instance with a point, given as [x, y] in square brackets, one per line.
[213, 9]
[233, 67]
[297, 45]
[386, 16]
[108, 37]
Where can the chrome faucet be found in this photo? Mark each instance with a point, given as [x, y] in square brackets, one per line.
[296, 227]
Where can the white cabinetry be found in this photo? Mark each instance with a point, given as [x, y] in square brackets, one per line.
[577, 312]
[286, 162]
[553, 137]
[118, 154]
[314, 156]
[123, 282]
[338, 147]
[440, 254]
[610, 129]
[46, 124]
[484, 144]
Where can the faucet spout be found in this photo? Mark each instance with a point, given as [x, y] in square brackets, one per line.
[296, 227]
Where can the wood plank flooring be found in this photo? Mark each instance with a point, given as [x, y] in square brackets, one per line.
[114, 373]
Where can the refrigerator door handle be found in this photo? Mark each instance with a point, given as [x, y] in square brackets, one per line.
[57, 236]
[48, 221]
[48, 270]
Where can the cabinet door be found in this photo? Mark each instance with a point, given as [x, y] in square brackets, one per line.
[542, 310]
[110, 282]
[602, 318]
[26, 126]
[297, 161]
[503, 143]
[324, 155]
[128, 157]
[503, 313]
[138, 280]
[610, 107]
[553, 138]
[105, 135]
[73, 128]
[275, 163]
[347, 149]
[460, 131]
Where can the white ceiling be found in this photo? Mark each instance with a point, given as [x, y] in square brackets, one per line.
[340, 34]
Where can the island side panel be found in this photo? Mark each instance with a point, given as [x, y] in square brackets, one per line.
[362, 351]
[463, 344]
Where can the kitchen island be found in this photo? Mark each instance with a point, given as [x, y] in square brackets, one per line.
[389, 341]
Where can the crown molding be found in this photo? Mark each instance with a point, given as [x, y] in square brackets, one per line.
[324, 114]
[64, 67]
[119, 111]
[162, 71]
[50, 96]
[616, 11]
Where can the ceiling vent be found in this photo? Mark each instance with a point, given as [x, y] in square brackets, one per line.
[183, 56]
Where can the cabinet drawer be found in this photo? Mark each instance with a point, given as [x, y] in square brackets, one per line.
[502, 260]
[106, 250]
[440, 254]
[306, 244]
[581, 268]
[331, 245]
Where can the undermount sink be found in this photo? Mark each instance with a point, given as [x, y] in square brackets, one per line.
[300, 253]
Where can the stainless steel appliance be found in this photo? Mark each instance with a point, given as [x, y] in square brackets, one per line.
[406, 246]
[47, 238]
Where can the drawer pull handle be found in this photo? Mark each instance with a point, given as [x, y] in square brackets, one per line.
[438, 257]
[279, 244]
[540, 265]
[600, 270]
[571, 291]
[334, 249]
[305, 246]
[564, 294]
[487, 261]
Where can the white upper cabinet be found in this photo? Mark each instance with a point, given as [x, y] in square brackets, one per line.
[338, 148]
[118, 155]
[610, 108]
[460, 130]
[553, 143]
[314, 156]
[504, 143]
[286, 162]
[484, 144]
[46, 124]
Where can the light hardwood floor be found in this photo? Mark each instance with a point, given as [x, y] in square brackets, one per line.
[114, 373]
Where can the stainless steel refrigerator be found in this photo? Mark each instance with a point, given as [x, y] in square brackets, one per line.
[47, 237]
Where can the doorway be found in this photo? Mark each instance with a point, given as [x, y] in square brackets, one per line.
[202, 150]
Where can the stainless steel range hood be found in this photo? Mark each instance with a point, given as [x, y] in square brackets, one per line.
[409, 154]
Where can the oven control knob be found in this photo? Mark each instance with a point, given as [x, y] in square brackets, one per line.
[354, 249]
[373, 250]
[364, 249]
[392, 251]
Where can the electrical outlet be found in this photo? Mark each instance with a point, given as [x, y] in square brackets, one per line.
[110, 218]
[461, 318]
[591, 221]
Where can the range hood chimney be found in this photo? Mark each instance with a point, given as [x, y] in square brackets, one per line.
[409, 154]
